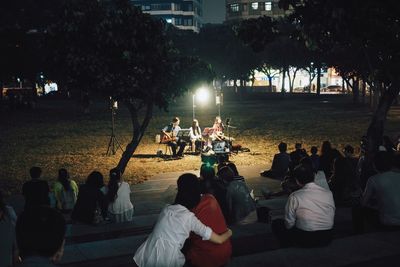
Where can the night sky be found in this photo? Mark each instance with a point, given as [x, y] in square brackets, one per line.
[214, 11]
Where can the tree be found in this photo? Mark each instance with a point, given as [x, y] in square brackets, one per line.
[276, 44]
[363, 39]
[22, 26]
[116, 50]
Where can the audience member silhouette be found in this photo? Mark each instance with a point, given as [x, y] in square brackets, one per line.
[381, 198]
[328, 155]
[120, 208]
[207, 179]
[348, 152]
[388, 144]
[280, 164]
[315, 158]
[343, 184]
[65, 191]
[8, 246]
[297, 155]
[309, 213]
[240, 205]
[365, 167]
[40, 235]
[91, 206]
[163, 246]
[290, 184]
[36, 191]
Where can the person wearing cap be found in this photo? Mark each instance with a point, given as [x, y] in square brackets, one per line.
[118, 192]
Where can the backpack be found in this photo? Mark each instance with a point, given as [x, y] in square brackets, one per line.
[68, 199]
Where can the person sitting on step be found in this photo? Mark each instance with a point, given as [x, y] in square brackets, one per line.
[309, 213]
[280, 164]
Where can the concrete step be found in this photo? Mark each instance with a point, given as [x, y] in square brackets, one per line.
[369, 250]
[247, 239]
[89, 253]
[79, 233]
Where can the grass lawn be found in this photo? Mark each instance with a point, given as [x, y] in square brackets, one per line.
[56, 134]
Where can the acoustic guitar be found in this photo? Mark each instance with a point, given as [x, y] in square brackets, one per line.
[167, 137]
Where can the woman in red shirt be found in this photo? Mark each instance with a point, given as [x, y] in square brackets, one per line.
[204, 253]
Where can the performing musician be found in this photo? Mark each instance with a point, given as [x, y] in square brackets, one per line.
[195, 136]
[218, 129]
[169, 137]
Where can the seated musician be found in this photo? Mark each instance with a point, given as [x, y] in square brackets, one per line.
[170, 138]
[195, 136]
[218, 129]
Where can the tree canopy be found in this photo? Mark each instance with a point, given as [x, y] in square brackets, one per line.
[107, 47]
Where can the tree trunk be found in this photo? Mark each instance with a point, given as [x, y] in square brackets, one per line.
[364, 90]
[343, 86]
[356, 90]
[270, 83]
[283, 80]
[290, 80]
[235, 86]
[371, 102]
[318, 80]
[377, 125]
[137, 132]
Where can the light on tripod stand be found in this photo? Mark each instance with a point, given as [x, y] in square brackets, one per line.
[113, 144]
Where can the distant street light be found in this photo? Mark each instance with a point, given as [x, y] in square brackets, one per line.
[201, 96]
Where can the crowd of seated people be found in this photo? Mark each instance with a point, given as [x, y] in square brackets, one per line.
[372, 194]
[205, 206]
[91, 203]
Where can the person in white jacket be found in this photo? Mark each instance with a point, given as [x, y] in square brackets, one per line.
[120, 207]
[175, 222]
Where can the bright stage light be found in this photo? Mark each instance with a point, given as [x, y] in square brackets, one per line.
[202, 95]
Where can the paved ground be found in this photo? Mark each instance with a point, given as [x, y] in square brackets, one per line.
[150, 196]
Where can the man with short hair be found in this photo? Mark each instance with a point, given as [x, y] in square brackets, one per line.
[40, 235]
[381, 198]
[309, 213]
[171, 131]
[280, 164]
[36, 191]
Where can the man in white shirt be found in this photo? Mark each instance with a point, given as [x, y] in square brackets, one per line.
[309, 213]
[381, 198]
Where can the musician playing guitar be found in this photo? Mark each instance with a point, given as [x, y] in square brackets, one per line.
[169, 137]
[218, 129]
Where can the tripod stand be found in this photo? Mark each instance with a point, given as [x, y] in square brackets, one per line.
[230, 142]
[113, 144]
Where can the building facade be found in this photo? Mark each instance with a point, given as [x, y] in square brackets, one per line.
[246, 9]
[184, 14]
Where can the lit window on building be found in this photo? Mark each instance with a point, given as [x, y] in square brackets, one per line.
[268, 6]
[235, 7]
[254, 6]
[145, 8]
